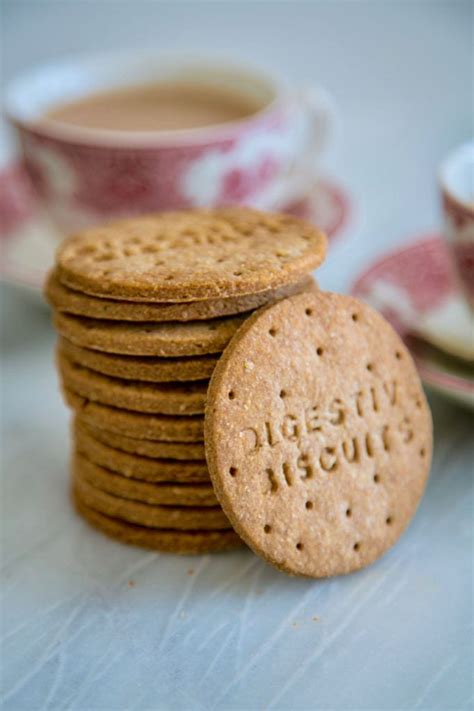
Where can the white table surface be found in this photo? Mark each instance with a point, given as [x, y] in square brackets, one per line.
[90, 624]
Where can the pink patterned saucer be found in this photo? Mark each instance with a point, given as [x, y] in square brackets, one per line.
[416, 290]
[28, 240]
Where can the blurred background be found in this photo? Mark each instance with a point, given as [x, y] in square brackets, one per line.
[399, 73]
[400, 76]
[399, 79]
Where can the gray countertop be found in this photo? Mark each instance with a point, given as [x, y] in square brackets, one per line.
[90, 624]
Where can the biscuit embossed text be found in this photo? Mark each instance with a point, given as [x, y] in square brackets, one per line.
[320, 439]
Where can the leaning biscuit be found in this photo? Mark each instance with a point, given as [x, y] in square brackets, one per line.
[147, 368]
[159, 539]
[145, 447]
[318, 435]
[61, 298]
[164, 428]
[146, 492]
[138, 466]
[170, 339]
[191, 255]
[163, 398]
[175, 517]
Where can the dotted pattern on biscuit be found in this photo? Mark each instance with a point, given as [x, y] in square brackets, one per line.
[318, 435]
[186, 256]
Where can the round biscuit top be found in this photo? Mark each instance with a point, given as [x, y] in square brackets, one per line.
[195, 254]
[318, 435]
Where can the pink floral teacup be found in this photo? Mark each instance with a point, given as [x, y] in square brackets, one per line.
[87, 175]
[457, 189]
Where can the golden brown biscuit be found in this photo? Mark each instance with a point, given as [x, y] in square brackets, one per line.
[175, 517]
[159, 539]
[163, 398]
[146, 492]
[165, 428]
[140, 467]
[62, 298]
[191, 255]
[318, 435]
[145, 447]
[147, 368]
[170, 339]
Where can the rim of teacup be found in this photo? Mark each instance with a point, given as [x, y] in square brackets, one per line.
[29, 95]
[458, 168]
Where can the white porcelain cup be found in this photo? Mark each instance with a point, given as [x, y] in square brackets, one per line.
[84, 175]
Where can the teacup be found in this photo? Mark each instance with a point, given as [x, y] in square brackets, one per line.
[457, 190]
[87, 175]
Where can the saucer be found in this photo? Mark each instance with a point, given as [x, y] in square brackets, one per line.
[28, 240]
[416, 290]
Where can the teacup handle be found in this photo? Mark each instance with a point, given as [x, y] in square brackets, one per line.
[321, 114]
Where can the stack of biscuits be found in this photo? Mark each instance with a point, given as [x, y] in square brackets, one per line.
[144, 308]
